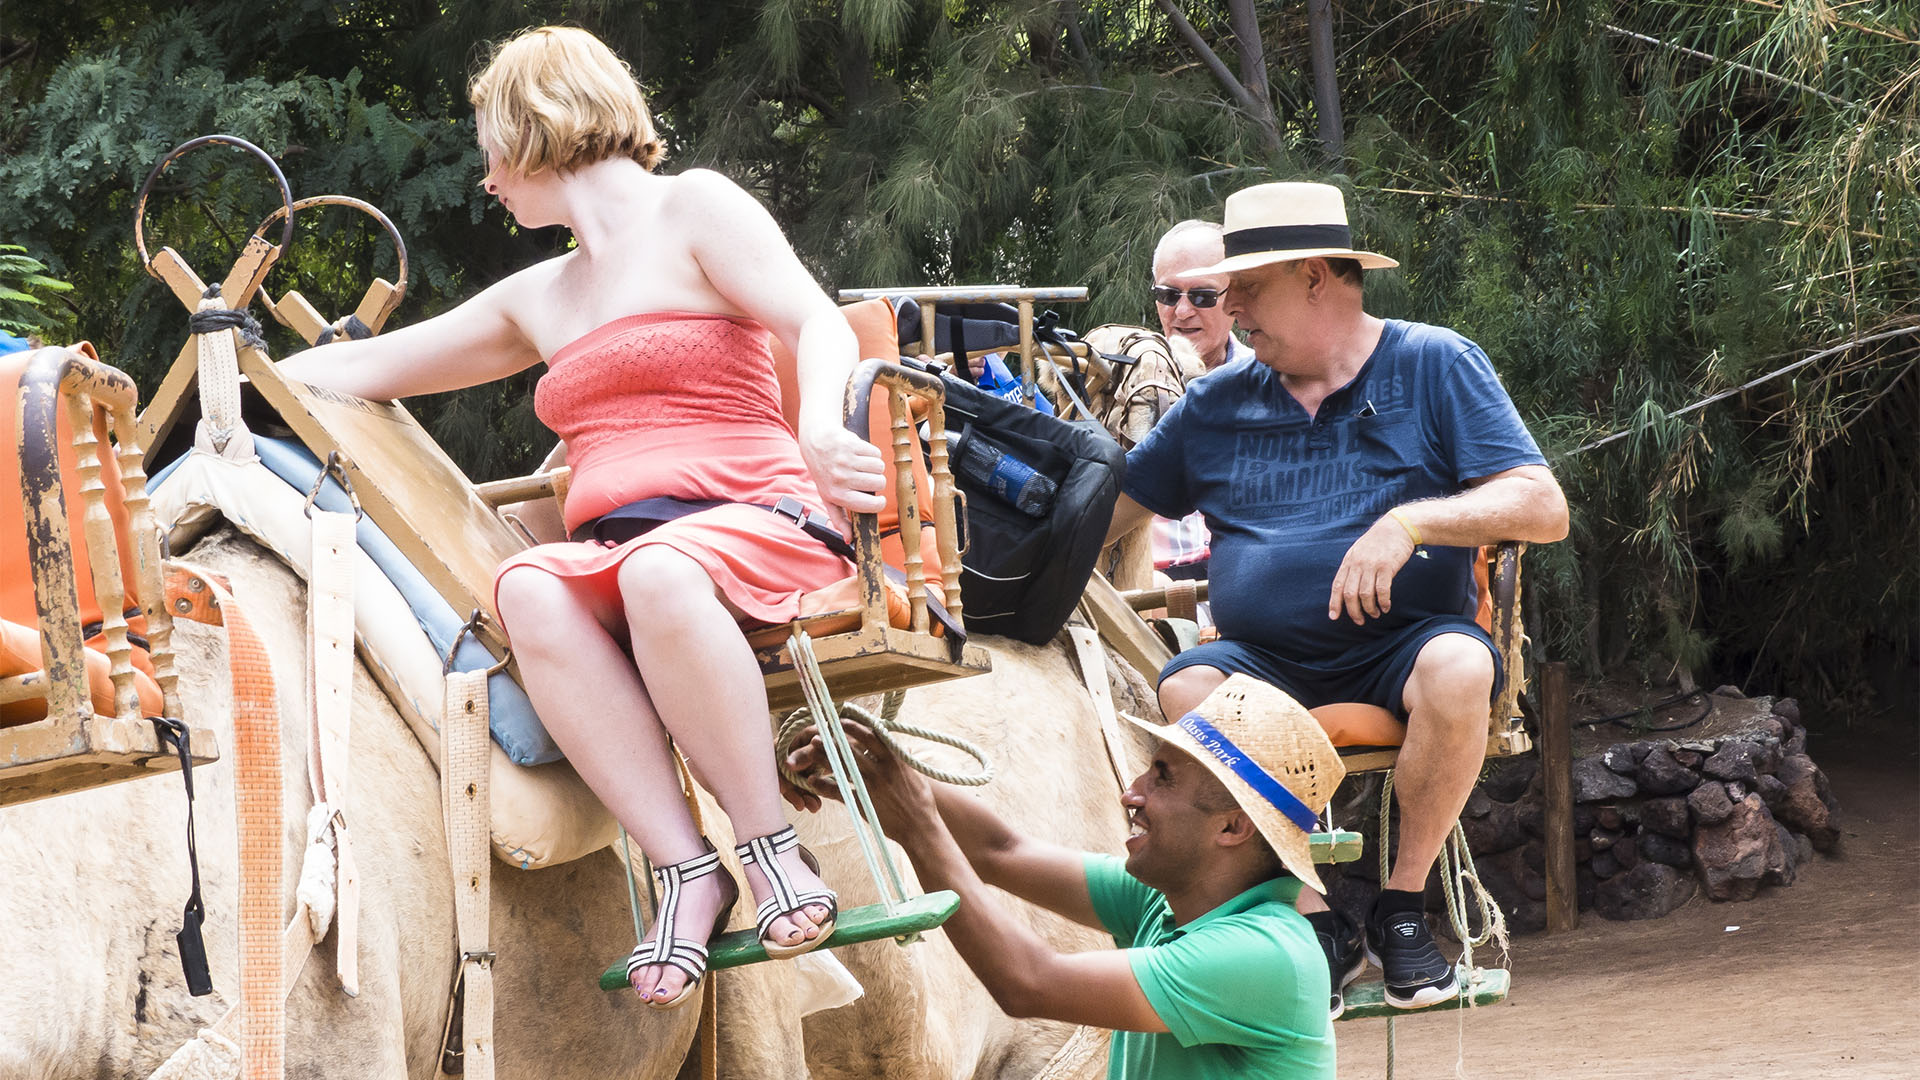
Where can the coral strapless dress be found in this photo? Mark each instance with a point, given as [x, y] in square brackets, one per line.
[686, 405]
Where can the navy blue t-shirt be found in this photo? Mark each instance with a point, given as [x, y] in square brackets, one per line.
[1286, 494]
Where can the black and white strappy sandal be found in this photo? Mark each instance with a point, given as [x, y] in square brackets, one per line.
[667, 947]
[764, 851]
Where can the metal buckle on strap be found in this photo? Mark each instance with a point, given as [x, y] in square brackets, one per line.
[792, 509]
[483, 957]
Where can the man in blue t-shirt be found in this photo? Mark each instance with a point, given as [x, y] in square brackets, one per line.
[1216, 975]
[1348, 473]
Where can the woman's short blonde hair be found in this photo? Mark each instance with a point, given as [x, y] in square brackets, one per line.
[555, 97]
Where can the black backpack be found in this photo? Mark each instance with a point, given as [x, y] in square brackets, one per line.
[1040, 493]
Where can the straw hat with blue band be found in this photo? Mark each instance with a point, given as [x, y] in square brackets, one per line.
[1272, 755]
[1270, 223]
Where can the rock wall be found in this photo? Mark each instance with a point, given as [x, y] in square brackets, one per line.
[1656, 821]
[1659, 819]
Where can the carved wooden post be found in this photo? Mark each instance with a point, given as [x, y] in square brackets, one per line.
[1556, 765]
[903, 449]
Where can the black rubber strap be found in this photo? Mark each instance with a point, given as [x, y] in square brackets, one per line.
[193, 951]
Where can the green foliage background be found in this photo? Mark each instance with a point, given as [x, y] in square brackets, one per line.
[1630, 204]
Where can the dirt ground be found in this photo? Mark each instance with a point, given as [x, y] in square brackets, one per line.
[1821, 979]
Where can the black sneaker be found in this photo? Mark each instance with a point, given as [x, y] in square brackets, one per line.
[1415, 973]
[1346, 958]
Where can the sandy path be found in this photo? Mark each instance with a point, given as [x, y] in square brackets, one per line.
[1820, 980]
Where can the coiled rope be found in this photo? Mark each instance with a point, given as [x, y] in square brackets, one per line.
[1459, 882]
[889, 728]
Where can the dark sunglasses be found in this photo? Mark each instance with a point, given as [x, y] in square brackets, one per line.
[1168, 296]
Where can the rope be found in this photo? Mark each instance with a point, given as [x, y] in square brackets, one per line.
[1386, 871]
[212, 320]
[1493, 924]
[888, 728]
[846, 776]
[350, 327]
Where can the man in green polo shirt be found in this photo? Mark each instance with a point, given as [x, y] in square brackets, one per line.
[1216, 975]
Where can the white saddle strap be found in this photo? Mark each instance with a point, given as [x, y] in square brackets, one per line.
[464, 759]
[330, 705]
[220, 431]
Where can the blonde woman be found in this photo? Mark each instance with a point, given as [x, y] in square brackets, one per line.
[654, 330]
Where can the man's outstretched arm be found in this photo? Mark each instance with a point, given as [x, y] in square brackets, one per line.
[947, 834]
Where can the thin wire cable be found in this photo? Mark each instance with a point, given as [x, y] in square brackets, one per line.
[1749, 384]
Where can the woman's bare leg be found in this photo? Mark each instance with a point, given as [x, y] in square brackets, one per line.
[703, 680]
[590, 698]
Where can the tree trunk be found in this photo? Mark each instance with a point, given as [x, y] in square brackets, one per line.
[1253, 66]
[1258, 107]
[1326, 91]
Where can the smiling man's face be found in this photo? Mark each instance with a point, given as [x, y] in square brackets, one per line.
[1205, 328]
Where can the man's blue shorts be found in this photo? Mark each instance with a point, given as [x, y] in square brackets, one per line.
[1372, 674]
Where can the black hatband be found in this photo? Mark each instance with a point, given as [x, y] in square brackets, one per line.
[1288, 238]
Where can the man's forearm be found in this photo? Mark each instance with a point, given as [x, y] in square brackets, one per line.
[1008, 957]
[975, 829]
[1524, 506]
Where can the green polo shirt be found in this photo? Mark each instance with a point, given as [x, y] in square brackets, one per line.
[1242, 989]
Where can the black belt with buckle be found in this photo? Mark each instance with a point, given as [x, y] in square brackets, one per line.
[623, 523]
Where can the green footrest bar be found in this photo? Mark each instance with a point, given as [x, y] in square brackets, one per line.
[1479, 986]
[1339, 846]
[740, 947]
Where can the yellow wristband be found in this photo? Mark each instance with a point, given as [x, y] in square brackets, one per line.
[1412, 532]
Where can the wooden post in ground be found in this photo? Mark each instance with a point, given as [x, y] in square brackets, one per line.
[1556, 764]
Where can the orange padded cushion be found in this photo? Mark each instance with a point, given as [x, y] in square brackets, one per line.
[1352, 724]
[1484, 583]
[877, 328]
[842, 596]
[20, 654]
[17, 604]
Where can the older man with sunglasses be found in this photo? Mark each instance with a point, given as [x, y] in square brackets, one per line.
[1347, 474]
[1190, 310]
[1189, 303]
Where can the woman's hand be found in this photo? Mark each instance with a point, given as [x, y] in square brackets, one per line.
[847, 469]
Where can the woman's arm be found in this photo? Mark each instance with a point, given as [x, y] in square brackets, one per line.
[743, 253]
[474, 343]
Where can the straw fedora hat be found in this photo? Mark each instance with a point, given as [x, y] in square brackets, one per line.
[1271, 223]
[1272, 756]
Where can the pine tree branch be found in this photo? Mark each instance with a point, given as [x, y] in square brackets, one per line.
[1759, 73]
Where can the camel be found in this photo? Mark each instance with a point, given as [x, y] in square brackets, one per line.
[90, 982]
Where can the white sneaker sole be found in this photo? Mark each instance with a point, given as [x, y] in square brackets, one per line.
[1422, 998]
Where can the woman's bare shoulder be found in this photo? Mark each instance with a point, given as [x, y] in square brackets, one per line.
[526, 291]
[698, 188]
